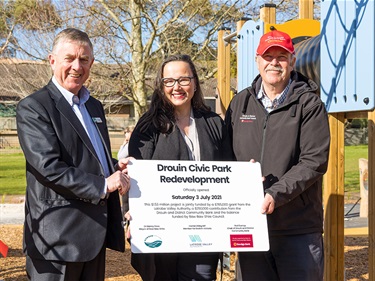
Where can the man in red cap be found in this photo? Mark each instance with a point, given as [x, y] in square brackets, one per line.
[281, 122]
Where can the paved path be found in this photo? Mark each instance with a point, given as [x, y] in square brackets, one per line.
[12, 213]
[352, 218]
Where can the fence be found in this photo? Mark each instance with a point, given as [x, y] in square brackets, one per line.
[9, 140]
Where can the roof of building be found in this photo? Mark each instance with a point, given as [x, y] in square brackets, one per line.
[21, 78]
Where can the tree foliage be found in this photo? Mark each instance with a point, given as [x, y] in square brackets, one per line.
[27, 15]
[132, 37]
[36, 14]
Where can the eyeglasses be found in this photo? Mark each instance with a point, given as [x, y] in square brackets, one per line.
[182, 81]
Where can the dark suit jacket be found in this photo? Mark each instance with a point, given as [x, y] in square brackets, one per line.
[65, 219]
[150, 144]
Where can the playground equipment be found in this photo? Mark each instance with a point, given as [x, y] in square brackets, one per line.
[337, 53]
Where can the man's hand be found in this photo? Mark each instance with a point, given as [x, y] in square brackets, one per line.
[268, 205]
[118, 181]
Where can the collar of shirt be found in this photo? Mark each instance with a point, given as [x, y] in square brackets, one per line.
[83, 94]
[278, 100]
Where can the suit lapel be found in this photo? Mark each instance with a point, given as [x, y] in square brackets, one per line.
[99, 122]
[65, 109]
[97, 117]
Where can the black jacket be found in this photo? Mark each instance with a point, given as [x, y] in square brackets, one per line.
[65, 219]
[292, 145]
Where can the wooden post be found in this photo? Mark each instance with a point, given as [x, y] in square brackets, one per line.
[240, 23]
[267, 13]
[371, 194]
[306, 9]
[223, 72]
[333, 197]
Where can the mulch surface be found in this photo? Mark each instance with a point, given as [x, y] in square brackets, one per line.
[118, 264]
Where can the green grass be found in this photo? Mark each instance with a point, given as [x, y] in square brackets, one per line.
[12, 170]
[12, 174]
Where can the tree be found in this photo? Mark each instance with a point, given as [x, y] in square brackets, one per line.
[27, 15]
[151, 30]
[19, 77]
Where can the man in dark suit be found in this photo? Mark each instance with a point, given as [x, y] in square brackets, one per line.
[72, 209]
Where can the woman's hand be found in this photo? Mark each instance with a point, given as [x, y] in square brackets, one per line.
[122, 164]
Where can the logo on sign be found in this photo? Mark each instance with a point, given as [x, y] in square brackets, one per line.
[153, 241]
[196, 242]
[195, 238]
[241, 241]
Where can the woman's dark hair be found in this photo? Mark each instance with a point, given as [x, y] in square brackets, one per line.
[161, 111]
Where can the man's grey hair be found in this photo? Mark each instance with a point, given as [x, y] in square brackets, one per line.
[72, 34]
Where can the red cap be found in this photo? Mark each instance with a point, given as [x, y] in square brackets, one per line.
[275, 38]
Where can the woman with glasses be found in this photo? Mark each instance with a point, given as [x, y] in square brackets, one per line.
[178, 126]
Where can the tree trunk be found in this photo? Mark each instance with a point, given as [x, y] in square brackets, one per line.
[138, 61]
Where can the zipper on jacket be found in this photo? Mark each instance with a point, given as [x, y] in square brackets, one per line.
[264, 138]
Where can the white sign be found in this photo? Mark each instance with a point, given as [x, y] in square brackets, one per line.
[191, 206]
